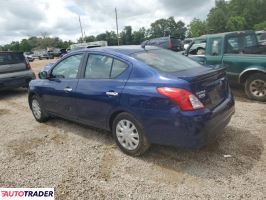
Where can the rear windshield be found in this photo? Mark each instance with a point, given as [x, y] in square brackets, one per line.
[11, 58]
[165, 60]
[176, 42]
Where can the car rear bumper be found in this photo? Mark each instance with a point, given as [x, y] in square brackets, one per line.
[192, 129]
[16, 79]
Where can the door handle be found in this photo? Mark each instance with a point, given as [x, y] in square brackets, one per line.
[111, 93]
[67, 89]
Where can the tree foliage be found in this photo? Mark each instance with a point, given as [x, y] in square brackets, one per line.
[236, 23]
[233, 15]
[260, 26]
[197, 28]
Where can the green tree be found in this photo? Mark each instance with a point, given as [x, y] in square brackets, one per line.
[236, 23]
[165, 27]
[111, 38]
[24, 45]
[90, 38]
[260, 26]
[197, 28]
[126, 36]
[218, 17]
[101, 36]
[139, 36]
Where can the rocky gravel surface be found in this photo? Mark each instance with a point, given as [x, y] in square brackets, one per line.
[84, 163]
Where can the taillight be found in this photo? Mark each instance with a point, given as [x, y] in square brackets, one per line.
[170, 45]
[184, 98]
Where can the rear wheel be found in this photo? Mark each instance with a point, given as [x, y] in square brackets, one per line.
[37, 109]
[129, 135]
[255, 87]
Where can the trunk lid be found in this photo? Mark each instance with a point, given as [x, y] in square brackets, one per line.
[12, 62]
[209, 85]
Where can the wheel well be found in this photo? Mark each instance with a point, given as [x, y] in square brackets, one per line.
[244, 76]
[113, 116]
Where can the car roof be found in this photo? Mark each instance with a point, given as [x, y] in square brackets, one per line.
[224, 34]
[124, 49]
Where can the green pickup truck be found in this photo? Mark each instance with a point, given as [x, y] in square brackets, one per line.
[241, 55]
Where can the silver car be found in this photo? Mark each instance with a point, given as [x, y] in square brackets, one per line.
[15, 70]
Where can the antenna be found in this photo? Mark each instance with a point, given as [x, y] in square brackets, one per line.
[82, 36]
[116, 27]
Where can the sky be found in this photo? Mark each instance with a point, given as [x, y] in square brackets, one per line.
[24, 18]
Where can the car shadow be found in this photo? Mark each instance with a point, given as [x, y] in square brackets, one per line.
[102, 137]
[234, 153]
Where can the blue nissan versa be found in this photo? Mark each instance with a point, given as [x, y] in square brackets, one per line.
[143, 95]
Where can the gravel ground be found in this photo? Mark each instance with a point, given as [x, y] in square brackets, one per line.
[83, 163]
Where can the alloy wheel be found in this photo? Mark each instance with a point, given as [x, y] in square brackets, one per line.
[36, 109]
[258, 88]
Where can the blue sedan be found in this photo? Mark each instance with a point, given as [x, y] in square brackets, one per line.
[144, 95]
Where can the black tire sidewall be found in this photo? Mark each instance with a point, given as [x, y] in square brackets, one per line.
[143, 142]
[256, 76]
[44, 116]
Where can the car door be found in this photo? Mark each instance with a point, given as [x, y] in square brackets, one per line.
[59, 90]
[100, 89]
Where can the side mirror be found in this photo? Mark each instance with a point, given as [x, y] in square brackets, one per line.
[43, 75]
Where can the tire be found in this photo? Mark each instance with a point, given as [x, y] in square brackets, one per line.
[255, 87]
[38, 110]
[133, 147]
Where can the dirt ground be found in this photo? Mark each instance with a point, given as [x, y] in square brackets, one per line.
[83, 163]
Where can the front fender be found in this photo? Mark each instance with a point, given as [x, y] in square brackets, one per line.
[243, 75]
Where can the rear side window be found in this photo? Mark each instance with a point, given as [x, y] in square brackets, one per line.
[236, 44]
[11, 58]
[103, 67]
[118, 68]
[165, 60]
[98, 67]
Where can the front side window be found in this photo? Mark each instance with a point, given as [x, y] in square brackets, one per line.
[216, 46]
[68, 68]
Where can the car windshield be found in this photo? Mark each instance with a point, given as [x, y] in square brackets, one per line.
[165, 60]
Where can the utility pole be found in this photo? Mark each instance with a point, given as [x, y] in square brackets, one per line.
[82, 36]
[116, 27]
